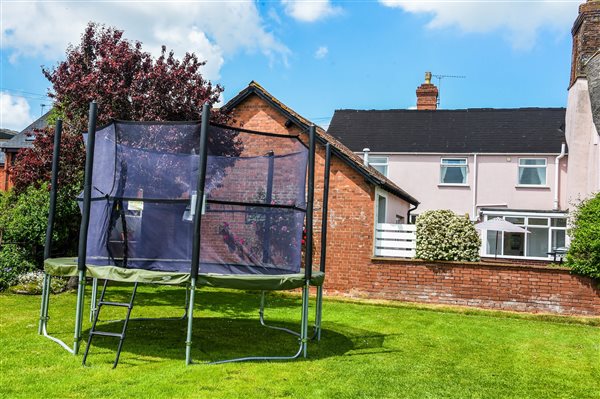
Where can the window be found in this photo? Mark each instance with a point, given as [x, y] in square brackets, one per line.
[532, 171]
[379, 163]
[381, 208]
[399, 219]
[545, 234]
[453, 171]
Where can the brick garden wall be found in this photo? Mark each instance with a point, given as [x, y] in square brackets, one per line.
[504, 286]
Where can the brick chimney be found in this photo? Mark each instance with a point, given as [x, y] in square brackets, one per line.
[586, 37]
[427, 95]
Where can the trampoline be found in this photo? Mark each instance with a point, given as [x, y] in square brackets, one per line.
[191, 203]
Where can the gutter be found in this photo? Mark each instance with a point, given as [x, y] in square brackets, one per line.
[556, 175]
[409, 211]
[474, 211]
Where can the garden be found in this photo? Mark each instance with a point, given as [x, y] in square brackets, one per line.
[368, 350]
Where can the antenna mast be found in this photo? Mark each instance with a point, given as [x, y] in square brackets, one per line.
[439, 85]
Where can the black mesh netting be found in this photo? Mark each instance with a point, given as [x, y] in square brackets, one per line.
[144, 191]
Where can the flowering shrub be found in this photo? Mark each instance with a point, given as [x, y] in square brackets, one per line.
[31, 283]
[442, 235]
[584, 253]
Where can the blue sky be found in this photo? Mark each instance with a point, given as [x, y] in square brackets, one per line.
[315, 56]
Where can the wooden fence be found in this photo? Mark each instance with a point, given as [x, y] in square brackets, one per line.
[395, 240]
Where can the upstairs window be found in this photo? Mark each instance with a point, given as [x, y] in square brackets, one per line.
[379, 163]
[532, 172]
[453, 171]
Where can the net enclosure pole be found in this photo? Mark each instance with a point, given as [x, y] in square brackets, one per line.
[85, 221]
[309, 238]
[51, 214]
[322, 260]
[203, 158]
[309, 203]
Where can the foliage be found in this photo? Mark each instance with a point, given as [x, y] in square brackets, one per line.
[31, 283]
[24, 221]
[33, 166]
[584, 252]
[443, 235]
[128, 84]
[13, 262]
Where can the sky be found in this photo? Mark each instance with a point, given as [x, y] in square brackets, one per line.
[315, 56]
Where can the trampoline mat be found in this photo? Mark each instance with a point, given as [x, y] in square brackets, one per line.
[68, 267]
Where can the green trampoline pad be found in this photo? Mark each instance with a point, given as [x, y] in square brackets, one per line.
[68, 267]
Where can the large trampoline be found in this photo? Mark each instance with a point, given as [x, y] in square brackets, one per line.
[192, 203]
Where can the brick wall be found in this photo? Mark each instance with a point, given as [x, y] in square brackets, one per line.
[490, 285]
[351, 198]
[5, 182]
[586, 37]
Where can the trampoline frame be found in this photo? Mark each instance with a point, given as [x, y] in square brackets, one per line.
[192, 284]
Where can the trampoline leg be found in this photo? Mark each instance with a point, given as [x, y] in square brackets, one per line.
[304, 325]
[319, 313]
[79, 311]
[44, 304]
[261, 318]
[94, 300]
[190, 315]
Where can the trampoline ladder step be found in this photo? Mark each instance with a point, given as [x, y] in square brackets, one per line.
[123, 304]
[121, 335]
[106, 334]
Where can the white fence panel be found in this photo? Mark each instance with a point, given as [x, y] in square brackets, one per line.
[395, 240]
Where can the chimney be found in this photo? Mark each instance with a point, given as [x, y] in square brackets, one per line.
[427, 95]
[586, 37]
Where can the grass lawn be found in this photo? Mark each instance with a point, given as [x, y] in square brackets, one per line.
[368, 350]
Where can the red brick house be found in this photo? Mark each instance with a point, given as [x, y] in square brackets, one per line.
[356, 191]
[9, 148]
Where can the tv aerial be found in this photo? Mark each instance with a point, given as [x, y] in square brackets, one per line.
[439, 85]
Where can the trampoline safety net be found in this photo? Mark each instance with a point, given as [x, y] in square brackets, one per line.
[144, 194]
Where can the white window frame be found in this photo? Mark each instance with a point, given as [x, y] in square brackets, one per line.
[519, 166]
[526, 216]
[381, 161]
[466, 166]
[381, 193]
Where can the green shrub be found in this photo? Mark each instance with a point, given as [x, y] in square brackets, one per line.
[443, 235]
[584, 252]
[24, 217]
[13, 262]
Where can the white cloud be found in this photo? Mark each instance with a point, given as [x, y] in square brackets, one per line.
[213, 30]
[14, 112]
[309, 10]
[519, 20]
[321, 52]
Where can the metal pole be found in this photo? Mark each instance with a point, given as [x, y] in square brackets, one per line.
[190, 314]
[309, 203]
[50, 226]
[85, 222]
[268, 200]
[325, 206]
[203, 151]
[304, 324]
[53, 189]
[94, 299]
[44, 305]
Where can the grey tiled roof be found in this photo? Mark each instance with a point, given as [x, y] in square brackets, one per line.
[23, 138]
[487, 130]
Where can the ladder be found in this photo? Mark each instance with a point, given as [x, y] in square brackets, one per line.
[121, 336]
